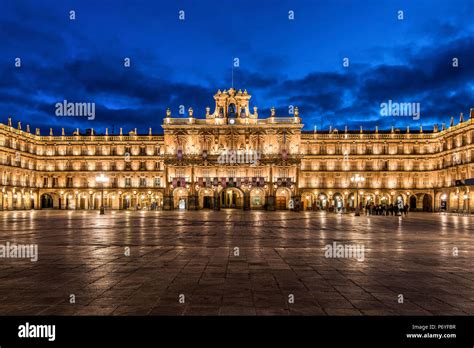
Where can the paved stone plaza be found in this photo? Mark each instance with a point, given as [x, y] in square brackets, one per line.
[281, 254]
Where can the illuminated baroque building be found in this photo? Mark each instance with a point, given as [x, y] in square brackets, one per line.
[233, 158]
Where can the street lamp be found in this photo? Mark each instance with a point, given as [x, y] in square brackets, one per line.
[356, 179]
[102, 179]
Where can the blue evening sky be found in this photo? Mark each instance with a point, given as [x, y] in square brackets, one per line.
[282, 62]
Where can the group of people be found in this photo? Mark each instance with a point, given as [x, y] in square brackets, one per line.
[384, 209]
[153, 206]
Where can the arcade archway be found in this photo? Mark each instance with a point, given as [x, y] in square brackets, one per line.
[322, 201]
[427, 203]
[206, 198]
[180, 198]
[257, 198]
[283, 196]
[46, 201]
[232, 198]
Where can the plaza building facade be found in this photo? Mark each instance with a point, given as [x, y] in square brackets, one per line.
[235, 159]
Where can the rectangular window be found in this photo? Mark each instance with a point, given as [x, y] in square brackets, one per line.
[128, 182]
[157, 182]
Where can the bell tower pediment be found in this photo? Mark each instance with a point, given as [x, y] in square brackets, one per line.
[231, 104]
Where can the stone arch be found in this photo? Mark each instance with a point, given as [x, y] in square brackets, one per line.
[47, 200]
[69, 200]
[232, 197]
[180, 198]
[453, 201]
[441, 201]
[206, 197]
[412, 202]
[307, 199]
[351, 200]
[282, 196]
[384, 198]
[157, 200]
[322, 201]
[369, 197]
[427, 202]
[257, 198]
[126, 200]
[337, 201]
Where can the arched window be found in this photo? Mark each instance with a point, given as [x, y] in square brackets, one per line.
[232, 111]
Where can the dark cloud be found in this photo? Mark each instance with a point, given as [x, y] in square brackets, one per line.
[83, 61]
